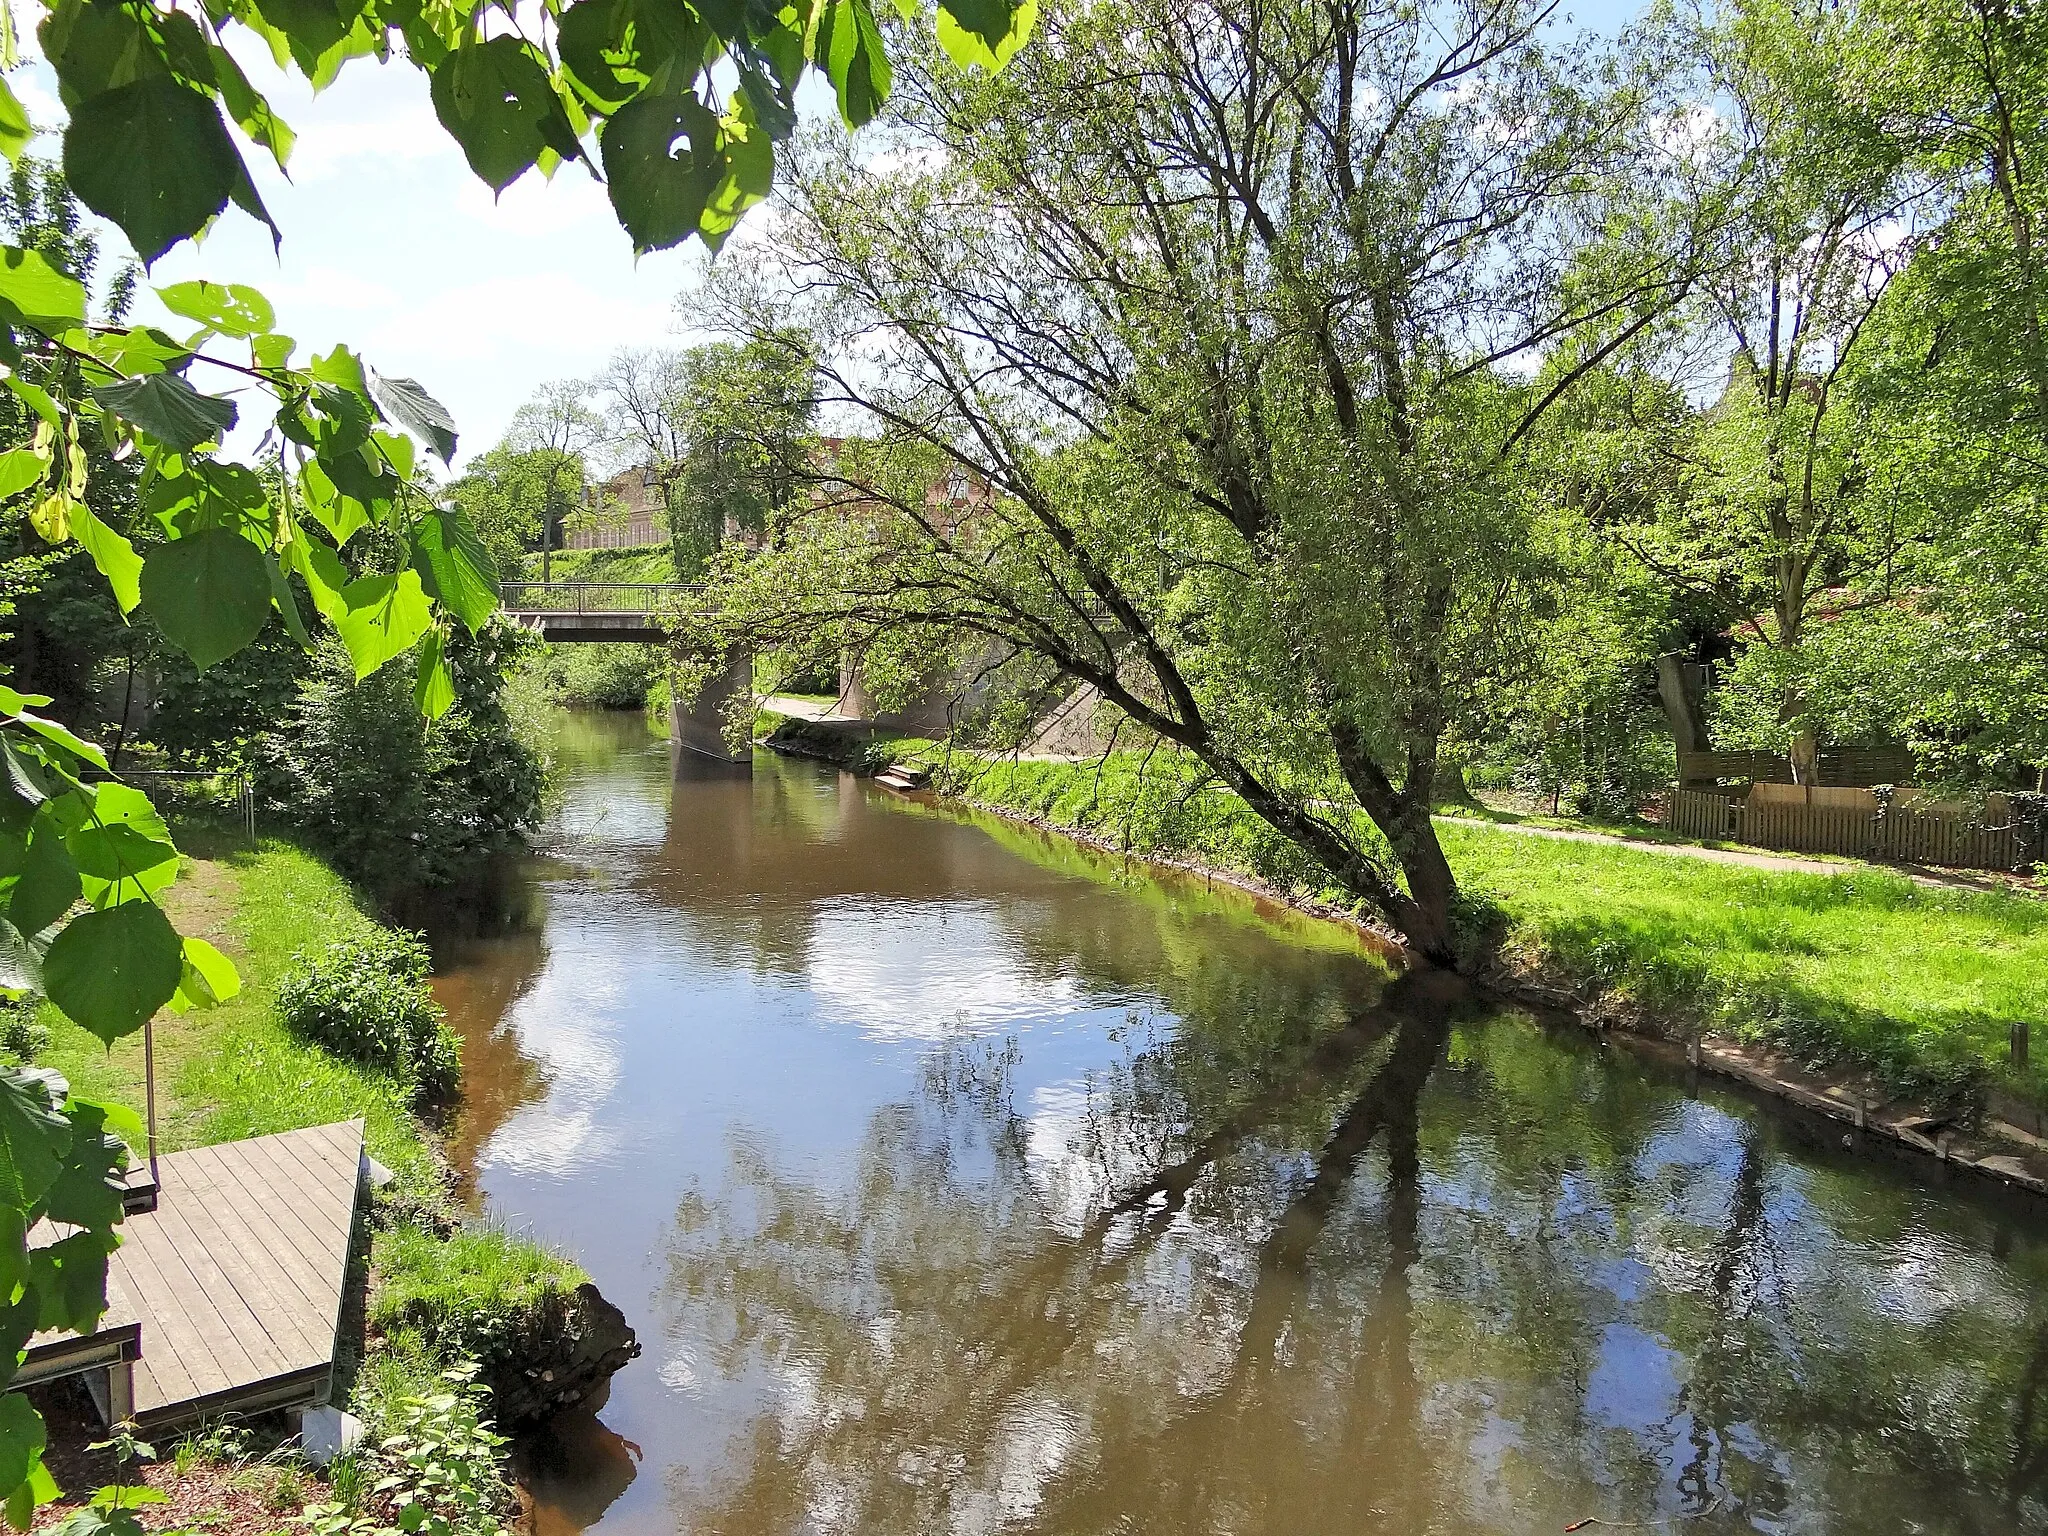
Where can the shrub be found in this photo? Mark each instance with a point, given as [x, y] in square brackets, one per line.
[366, 999]
[20, 1035]
[434, 1468]
[607, 676]
[398, 803]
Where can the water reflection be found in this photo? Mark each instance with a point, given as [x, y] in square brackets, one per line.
[957, 1185]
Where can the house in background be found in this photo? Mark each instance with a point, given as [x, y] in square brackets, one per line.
[625, 512]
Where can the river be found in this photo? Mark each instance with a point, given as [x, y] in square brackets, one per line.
[961, 1180]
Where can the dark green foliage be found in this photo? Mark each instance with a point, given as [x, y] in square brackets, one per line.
[603, 676]
[401, 803]
[213, 719]
[367, 1000]
[21, 1037]
[59, 625]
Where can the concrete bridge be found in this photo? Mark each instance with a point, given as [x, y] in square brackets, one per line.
[635, 613]
[570, 611]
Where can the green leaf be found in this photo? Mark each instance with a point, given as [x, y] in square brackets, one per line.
[341, 368]
[169, 409]
[417, 411]
[70, 1278]
[33, 1134]
[455, 568]
[112, 553]
[660, 196]
[849, 47]
[121, 862]
[496, 99]
[21, 788]
[119, 1119]
[83, 1195]
[286, 602]
[340, 515]
[998, 25]
[386, 617]
[65, 737]
[48, 884]
[21, 1441]
[208, 593]
[108, 971]
[250, 108]
[154, 156]
[21, 968]
[324, 574]
[969, 47]
[232, 309]
[433, 690]
[40, 1489]
[20, 468]
[33, 292]
[587, 39]
[272, 351]
[209, 977]
[16, 132]
[118, 804]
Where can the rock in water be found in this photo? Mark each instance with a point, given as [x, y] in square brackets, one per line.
[563, 1353]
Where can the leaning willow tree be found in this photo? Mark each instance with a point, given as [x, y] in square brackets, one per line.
[1246, 313]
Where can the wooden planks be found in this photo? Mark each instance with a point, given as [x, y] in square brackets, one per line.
[237, 1275]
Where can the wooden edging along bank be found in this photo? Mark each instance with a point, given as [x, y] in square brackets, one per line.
[1997, 1151]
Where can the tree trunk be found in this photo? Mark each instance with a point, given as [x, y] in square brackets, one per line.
[1425, 915]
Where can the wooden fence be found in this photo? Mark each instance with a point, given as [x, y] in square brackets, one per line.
[2005, 833]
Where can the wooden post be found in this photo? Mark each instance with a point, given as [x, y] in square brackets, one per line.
[2019, 1043]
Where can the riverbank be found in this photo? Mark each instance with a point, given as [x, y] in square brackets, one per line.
[438, 1292]
[1862, 994]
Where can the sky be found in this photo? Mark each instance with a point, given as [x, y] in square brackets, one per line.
[392, 246]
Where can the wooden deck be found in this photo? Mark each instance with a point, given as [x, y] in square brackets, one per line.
[232, 1286]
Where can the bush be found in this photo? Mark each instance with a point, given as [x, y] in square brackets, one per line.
[400, 804]
[605, 676]
[20, 1035]
[367, 1000]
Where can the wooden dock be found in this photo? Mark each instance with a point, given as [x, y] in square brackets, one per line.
[227, 1295]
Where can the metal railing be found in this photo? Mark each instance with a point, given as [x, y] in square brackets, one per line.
[591, 597]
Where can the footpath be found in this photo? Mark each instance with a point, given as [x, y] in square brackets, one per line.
[1783, 863]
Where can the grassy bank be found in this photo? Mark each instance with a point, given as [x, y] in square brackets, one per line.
[645, 562]
[439, 1290]
[1860, 971]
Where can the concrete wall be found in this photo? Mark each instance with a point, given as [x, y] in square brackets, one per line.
[699, 725]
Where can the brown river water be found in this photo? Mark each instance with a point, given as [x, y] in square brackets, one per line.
[959, 1180]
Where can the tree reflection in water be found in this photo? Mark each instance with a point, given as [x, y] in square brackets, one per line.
[1428, 1268]
[1497, 1291]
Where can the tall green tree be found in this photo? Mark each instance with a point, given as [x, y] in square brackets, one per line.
[746, 415]
[1235, 311]
[1780, 494]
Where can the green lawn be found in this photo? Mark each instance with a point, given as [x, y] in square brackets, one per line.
[1865, 969]
[1922, 985]
[647, 562]
[235, 1071]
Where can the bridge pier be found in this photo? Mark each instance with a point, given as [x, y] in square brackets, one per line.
[928, 714]
[703, 725]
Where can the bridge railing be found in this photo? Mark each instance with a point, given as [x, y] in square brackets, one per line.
[596, 597]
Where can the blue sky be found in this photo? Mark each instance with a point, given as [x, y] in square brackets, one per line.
[392, 246]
